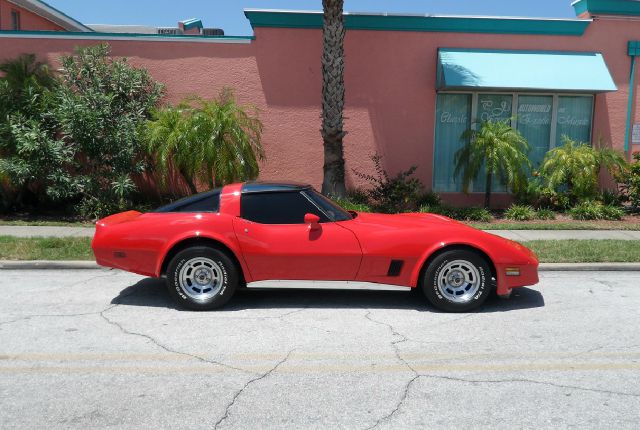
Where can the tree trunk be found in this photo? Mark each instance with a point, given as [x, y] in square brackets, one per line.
[333, 183]
[189, 181]
[487, 191]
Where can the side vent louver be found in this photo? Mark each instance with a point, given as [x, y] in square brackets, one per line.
[395, 267]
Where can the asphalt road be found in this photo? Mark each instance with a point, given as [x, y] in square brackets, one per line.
[95, 349]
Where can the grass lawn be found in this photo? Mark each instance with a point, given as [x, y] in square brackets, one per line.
[539, 225]
[549, 251]
[45, 223]
[45, 248]
[586, 251]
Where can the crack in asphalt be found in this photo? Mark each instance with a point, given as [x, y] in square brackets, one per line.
[416, 374]
[266, 317]
[56, 316]
[110, 272]
[529, 381]
[247, 384]
[394, 343]
[161, 345]
[26, 317]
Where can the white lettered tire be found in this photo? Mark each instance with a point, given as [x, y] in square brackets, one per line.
[202, 278]
[458, 280]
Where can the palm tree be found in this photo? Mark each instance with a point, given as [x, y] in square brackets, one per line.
[26, 97]
[24, 85]
[577, 165]
[26, 70]
[333, 183]
[498, 147]
[209, 141]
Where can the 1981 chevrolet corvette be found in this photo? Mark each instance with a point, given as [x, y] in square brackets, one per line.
[286, 235]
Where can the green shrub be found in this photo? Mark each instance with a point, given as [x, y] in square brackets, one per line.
[612, 213]
[430, 199]
[350, 205]
[520, 213]
[545, 214]
[475, 214]
[433, 209]
[629, 180]
[496, 151]
[358, 196]
[101, 106]
[461, 214]
[34, 161]
[575, 166]
[214, 142]
[400, 193]
[531, 194]
[610, 198]
[592, 210]
[559, 201]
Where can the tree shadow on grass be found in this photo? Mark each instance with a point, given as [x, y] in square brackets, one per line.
[151, 292]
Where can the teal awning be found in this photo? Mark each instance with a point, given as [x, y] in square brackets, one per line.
[463, 69]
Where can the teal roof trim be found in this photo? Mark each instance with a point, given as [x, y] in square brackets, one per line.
[462, 69]
[458, 24]
[191, 23]
[607, 7]
[95, 35]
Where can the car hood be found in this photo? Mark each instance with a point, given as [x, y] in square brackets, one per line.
[431, 228]
[408, 220]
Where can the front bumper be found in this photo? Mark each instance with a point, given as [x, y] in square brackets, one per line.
[527, 274]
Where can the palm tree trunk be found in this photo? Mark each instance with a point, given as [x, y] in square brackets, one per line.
[487, 191]
[189, 181]
[333, 98]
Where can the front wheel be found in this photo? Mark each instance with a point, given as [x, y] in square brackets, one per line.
[202, 278]
[457, 281]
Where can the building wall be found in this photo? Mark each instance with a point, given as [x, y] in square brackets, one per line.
[390, 88]
[28, 20]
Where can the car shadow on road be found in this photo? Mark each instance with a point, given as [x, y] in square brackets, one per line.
[151, 292]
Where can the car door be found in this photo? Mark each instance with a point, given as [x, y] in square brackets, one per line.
[277, 244]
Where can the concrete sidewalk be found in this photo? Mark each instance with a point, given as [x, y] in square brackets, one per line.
[40, 231]
[526, 235]
[519, 235]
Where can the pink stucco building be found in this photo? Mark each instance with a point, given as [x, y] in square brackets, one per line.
[413, 82]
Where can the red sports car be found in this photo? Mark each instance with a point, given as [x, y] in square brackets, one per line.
[283, 235]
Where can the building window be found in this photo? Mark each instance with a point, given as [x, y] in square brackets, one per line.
[541, 118]
[534, 123]
[15, 20]
[453, 117]
[574, 118]
[491, 107]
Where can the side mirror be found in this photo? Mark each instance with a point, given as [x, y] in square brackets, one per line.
[313, 220]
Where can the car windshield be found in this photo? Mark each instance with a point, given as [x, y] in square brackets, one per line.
[333, 211]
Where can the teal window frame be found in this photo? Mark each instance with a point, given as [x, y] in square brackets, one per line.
[514, 122]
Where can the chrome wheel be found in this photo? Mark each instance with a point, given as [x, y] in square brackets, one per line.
[200, 278]
[459, 281]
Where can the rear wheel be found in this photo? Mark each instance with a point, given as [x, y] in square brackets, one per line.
[457, 281]
[202, 278]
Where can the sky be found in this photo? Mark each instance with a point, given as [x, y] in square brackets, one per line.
[228, 15]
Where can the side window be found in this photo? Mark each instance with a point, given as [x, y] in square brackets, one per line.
[203, 202]
[277, 208]
[208, 204]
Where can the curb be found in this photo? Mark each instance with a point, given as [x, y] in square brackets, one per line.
[589, 267]
[48, 265]
[92, 265]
